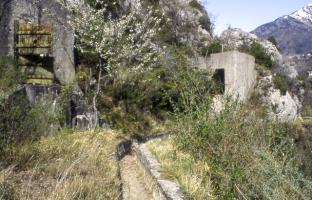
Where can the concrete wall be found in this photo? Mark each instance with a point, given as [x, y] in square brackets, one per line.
[45, 12]
[239, 70]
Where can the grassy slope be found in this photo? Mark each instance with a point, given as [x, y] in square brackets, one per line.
[198, 177]
[181, 166]
[77, 165]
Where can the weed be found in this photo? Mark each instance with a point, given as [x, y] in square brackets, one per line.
[79, 165]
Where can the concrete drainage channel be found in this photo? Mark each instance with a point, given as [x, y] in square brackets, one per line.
[140, 174]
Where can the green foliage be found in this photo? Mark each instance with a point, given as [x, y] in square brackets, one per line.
[260, 54]
[204, 20]
[10, 75]
[195, 4]
[7, 192]
[154, 91]
[205, 23]
[22, 121]
[307, 111]
[168, 33]
[273, 40]
[87, 155]
[214, 47]
[112, 7]
[282, 83]
[249, 157]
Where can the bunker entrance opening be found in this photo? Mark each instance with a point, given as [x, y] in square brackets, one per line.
[219, 78]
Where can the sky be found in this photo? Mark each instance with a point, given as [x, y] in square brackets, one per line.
[249, 14]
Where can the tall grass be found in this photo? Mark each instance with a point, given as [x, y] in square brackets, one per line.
[237, 153]
[69, 165]
[250, 156]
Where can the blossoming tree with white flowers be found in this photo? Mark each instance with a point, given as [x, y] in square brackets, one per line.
[127, 42]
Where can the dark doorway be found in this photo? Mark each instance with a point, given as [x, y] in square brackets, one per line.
[219, 79]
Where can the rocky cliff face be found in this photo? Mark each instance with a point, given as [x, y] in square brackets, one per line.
[189, 22]
[297, 65]
[45, 12]
[293, 36]
[292, 32]
[235, 38]
[282, 107]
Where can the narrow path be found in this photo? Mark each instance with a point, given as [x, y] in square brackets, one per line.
[134, 187]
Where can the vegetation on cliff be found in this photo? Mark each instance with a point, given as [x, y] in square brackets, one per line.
[136, 71]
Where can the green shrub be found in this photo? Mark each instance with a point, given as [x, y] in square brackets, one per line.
[22, 121]
[205, 23]
[154, 91]
[282, 83]
[195, 4]
[10, 75]
[260, 54]
[307, 111]
[214, 47]
[113, 8]
[249, 156]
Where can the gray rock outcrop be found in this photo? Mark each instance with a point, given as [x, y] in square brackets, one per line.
[234, 38]
[81, 115]
[40, 12]
[189, 21]
[297, 65]
[284, 108]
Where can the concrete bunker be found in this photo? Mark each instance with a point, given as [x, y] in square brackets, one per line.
[234, 72]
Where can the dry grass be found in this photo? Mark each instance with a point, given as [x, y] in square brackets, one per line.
[247, 163]
[79, 165]
[182, 167]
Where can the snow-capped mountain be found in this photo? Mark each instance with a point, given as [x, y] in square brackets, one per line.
[293, 32]
[303, 15]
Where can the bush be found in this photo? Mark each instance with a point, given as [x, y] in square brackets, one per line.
[151, 92]
[214, 47]
[195, 4]
[205, 23]
[22, 121]
[282, 83]
[260, 54]
[307, 111]
[10, 75]
[249, 157]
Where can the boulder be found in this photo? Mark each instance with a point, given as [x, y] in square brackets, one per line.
[283, 108]
[81, 115]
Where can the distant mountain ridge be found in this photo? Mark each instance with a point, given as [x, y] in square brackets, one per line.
[293, 32]
[303, 15]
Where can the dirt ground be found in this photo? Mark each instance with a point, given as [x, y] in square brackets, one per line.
[134, 187]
